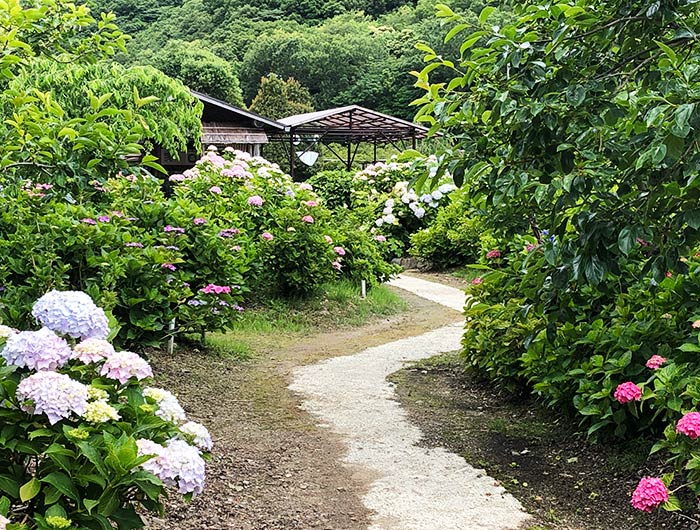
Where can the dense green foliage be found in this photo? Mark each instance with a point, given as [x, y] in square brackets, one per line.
[344, 52]
[576, 124]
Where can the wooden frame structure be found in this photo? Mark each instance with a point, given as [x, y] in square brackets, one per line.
[349, 126]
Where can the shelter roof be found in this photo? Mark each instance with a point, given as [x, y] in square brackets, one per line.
[353, 123]
[218, 111]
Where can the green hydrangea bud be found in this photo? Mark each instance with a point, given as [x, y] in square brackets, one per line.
[58, 522]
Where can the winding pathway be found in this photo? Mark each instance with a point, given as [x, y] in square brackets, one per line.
[416, 488]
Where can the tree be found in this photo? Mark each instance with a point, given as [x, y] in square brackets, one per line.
[582, 120]
[277, 98]
[199, 69]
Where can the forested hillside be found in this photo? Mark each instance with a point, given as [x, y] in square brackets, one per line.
[342, 51]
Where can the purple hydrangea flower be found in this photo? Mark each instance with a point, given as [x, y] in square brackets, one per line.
[134, 244]
[71, 313]
[36, 350]
[56, 395]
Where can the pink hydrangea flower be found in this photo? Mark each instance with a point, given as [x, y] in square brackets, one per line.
[310, 204]
[696, 324]
[339, 250]
[88, 221]
[493, 254]
[655, 362]
[199, 221]
[530, 247]
[337, 265]
[267, 236]
[626, 392]
[328, 239]
[380, 238]
[177, 177]
[229, 232]
[689, 425]
[215, 189]
[104, 218]
[255, 200]
[477, 281]
[92, 351]
[307, 219]
[215, 289]
[305, 186]
[124, 365]
[649, 494]
[169, 266]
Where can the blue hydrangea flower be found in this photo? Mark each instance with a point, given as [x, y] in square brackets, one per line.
[71, 313]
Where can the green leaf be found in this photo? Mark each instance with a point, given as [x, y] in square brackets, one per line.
[29, 490]
[485, 13]
[672, 504]
[62, 483]
[668, 51]
[627, 240]
[692, 217]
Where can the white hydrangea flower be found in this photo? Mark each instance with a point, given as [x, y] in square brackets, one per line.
[437, 195]
[97, 394]
[169, 408]
[199, 434]
[6, 331]
[389, 219]
[419, 213]
[379, 222]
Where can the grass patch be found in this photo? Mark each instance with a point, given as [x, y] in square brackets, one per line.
[337, 305]
[467, 274]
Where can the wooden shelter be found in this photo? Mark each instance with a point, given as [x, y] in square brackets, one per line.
[224, 125]
[348, 127]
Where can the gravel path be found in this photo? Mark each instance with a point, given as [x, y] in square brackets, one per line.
[416, 488]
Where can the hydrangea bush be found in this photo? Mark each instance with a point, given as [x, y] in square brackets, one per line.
[298, 243]
[84, 444]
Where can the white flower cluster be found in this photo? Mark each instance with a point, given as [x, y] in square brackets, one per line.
[169, 408]
[199, 435]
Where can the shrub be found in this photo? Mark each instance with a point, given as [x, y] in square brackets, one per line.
[85, 444]
[335, 187]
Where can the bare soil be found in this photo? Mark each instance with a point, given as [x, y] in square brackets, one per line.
[565, 482]
[272, 468]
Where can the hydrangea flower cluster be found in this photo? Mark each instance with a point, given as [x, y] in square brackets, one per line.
[689, 425]
[650, 493]
[178, 464]
[124, 365]
[655, 362]
[199, 434]
[71, 313]
[92, 350]
[56, 395]
[626, 392]
[6, 331]
[100, 412]
[36, 350]
[169, 408]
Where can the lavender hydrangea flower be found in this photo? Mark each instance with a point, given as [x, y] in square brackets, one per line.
[36, 350]
[71, 313]
[178, 464]
[124, 365]
[56, 395]
[199, 434]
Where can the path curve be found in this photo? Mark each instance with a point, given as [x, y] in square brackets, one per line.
[417, 488]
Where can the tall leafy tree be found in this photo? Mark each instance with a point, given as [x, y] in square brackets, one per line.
[278, 98]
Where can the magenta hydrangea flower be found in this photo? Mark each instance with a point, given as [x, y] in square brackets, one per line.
[650, 493]
[56, 395]
[339, 250]
[689, 425]
[215, 289]
[477, 281]
[199, 221]
[493, 254]
[92, 351]
[104, 218]
[36, 350]
[176, 229]
[71, 313]
[169, 266]
[124, 365]
[626, 392]
[307, 219]
[267, 236]
[178, 464]
[655, 362]
[255, 200]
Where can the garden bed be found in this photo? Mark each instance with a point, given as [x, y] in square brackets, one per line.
[559, 478]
